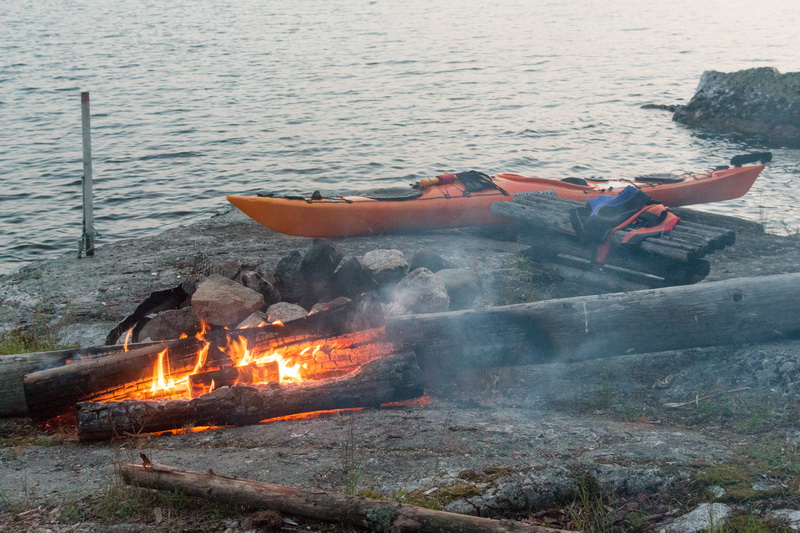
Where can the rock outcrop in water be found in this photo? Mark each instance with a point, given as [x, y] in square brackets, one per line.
[758, 101]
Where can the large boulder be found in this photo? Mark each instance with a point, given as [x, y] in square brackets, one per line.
[352, 278]
[284, 312]
[429, 259]
[253, 280]
[223, 302]
[758, 101]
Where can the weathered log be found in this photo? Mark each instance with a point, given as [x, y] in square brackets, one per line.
[552, 212]
[552, 247]
[387, 379]
[560, 221]
[730, 312]
[601, 280]
[376, 515]
[13, 369]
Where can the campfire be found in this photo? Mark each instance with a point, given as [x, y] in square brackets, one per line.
[229, 377]
[238, 364]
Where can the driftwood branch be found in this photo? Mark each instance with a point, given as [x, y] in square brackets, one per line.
[387, 379]
[376, 515]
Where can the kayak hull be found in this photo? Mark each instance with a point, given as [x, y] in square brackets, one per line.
[447, 206]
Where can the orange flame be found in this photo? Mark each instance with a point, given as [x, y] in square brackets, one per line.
[127, 339]
[263, 367]
[161, 379]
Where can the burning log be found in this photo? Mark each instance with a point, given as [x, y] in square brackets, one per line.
[735, 311]
[13, 369]
[387, 379]
[204, 382]
[51, 392]
[376, 515]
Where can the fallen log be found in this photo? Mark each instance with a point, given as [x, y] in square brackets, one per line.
[376, 515]
[735, 311]
[387, 379]
[52, 392]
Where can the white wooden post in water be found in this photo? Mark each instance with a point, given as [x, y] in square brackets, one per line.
[87, 239]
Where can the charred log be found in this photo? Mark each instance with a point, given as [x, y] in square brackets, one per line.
[355, 511]
[13, 369]
[735, 311]
[388, 379]
[51, 392]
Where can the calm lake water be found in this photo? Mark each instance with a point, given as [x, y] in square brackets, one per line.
[193, 100]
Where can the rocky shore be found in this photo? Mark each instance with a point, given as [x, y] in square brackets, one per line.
[543, 443]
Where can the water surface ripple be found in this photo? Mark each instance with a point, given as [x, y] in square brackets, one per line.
[193, 100]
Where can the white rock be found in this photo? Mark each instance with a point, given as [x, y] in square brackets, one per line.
[706, 516]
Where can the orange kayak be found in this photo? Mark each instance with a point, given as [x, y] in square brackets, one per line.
[450, 205]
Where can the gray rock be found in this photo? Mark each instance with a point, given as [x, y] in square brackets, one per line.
[288, 279]
[789, 517]
[170, 325]
[762, 486]
[317, 267]
[462, 285]
[253, 280]
[385, 266]
[429, 259]
[422, 291]
[759, 101]
[717, 491]
[324, 306]
[223, 302]
[352, 278]
[706, 516]
[255, 320]
[285, 312]
[229, 269]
